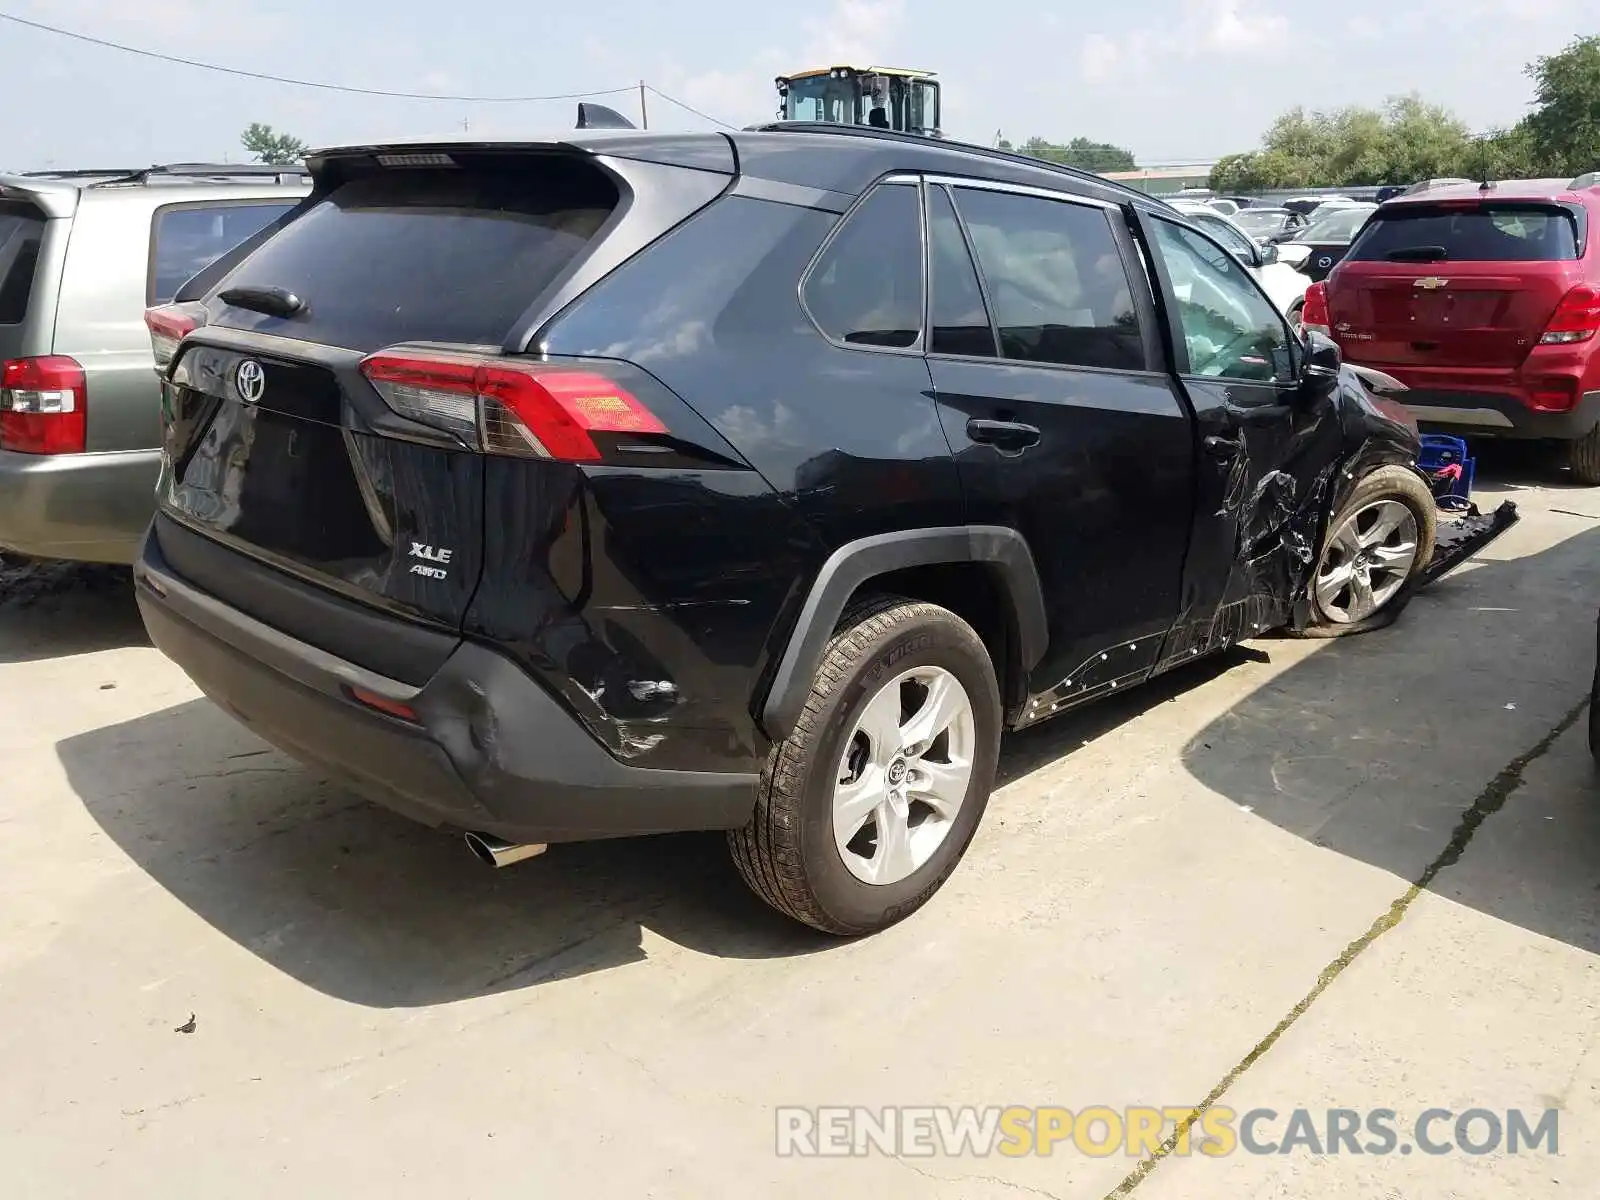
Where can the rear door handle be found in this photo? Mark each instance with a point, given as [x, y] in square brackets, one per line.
[1221, 447]
[1003, 435]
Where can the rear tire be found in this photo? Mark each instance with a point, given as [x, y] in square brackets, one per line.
[1583, 456]
[1377, 545]
[867, 807]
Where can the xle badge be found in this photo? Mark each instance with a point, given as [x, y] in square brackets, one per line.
[430, 555]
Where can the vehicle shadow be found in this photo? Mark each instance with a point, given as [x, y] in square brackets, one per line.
[373, 909]
[1376, 747]
[49, 610]
[1510, 465]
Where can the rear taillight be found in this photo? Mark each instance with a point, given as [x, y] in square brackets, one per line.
[1576, 319]
[169, 325]
[506, 406]
[1314, 314]
[43, 404]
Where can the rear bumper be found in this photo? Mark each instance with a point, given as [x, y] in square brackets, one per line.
[491, 750]
[86, 507]
[1497, 414]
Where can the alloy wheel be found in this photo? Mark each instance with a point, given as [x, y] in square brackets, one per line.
[904, 775]
[1367, 561]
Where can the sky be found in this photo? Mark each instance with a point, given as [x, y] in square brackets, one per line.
[1172, 80]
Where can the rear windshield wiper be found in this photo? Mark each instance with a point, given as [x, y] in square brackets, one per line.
[1418, 254]
[274, 301]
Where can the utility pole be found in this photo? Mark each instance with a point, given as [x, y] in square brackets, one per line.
[644, 115]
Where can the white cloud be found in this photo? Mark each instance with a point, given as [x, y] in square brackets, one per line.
[1236, 25]
[853, 34]
[1207, 27]
[1367, 29]
[1100, 56]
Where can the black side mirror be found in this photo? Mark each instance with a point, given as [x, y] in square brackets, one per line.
[1323, 357]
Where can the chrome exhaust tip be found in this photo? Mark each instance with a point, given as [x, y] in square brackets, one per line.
[497, 852]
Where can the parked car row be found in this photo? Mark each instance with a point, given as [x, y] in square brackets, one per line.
[1322, 242]
[1484, 300]
[754, 481]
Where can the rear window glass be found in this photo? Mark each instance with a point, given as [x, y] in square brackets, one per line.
[449, 255]
[1339, 225]
[866, 289]
[188, 240]
[21, 231]
[1482, 233]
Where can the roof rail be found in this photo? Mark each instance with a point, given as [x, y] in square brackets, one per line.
[1588, 179]
[917, 139]
[282, 172]
[78, 173]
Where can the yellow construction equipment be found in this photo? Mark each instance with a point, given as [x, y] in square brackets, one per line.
[881, 97]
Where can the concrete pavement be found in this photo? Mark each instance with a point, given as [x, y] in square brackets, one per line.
[1154, 895]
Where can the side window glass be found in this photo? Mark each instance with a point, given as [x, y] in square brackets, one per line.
[960, 322]
[1055, 279]
[866, 289]
[188, 240]
[1231, 330]
[1228, 236]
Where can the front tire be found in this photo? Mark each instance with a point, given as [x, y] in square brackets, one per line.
[867, 807]
[1377, 544]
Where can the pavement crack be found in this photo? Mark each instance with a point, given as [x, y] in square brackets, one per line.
[1005, 1183]
[1488, 802]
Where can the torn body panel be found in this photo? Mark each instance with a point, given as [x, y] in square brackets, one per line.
[1460, 540]
[1274, 462]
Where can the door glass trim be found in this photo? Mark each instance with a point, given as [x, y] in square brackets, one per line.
[892, 180]
[1148, 320]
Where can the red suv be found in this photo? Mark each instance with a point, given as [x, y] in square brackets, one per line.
[1484, 300]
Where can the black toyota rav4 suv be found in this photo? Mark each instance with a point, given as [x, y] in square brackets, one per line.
[756, 482]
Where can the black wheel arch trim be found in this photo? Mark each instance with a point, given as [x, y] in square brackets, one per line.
[1002, 550]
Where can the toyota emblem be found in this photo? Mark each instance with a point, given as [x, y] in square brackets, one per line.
[250, 380]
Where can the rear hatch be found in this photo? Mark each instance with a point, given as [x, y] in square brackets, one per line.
[330, 414]
[1455, 284]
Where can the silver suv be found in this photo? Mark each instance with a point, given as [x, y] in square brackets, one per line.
[82, 255]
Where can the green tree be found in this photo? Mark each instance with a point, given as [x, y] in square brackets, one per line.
[1407, 139]
[1564, 128]
[269, 146]
[1083, 153]
[1502, 154]
[1422, 141]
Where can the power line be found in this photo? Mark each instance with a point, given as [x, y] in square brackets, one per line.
[688, 108]
[306, 83]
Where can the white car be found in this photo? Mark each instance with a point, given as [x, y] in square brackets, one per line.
[1284, 286]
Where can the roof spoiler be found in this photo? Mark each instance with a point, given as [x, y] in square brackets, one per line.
[598, 116]
[1588, 179]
